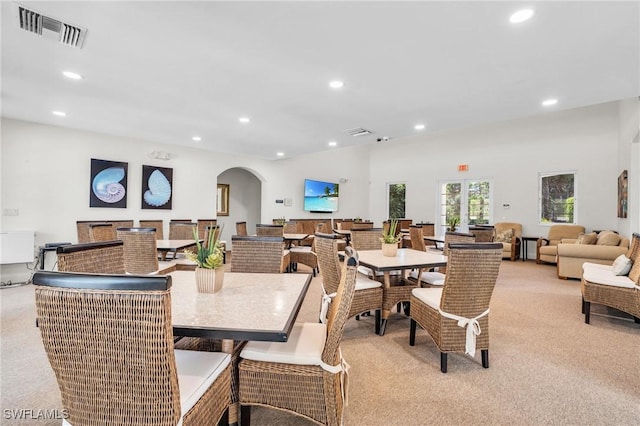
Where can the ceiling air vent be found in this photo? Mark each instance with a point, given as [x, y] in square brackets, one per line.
[34, 22]
[358, 132]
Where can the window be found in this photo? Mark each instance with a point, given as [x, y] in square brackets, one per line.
[557, 198]
[464, 203]
[396, 195]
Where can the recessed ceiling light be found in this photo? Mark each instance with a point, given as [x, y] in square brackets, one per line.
[336, 84]
[419, 126]
[59, 113]
[549, 102]
[280, 154]
[521, 16]
[72, 75]
[333, 143]
[196, 138]
[244, 120]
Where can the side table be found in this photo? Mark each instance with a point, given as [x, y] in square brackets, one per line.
[525, 240]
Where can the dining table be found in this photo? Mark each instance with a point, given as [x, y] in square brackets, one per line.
[291, 238]
[435, 240]
[166, 246]
[250, 306]
[405, 259]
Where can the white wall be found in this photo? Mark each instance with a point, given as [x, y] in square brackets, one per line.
[45, 174]
[511, 154]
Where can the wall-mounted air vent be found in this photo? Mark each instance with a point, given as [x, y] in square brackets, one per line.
[358, 132]
[35, 22]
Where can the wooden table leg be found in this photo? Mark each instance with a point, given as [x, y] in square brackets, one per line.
[385, 312]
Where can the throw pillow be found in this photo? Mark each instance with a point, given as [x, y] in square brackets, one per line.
[608, 238]
[587, 238]
[622, 265]
[504, 236]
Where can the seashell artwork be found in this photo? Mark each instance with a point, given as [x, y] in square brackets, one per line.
[159, 191]
[107, 187]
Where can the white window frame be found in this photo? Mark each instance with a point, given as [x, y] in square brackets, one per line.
[542, 175]
[464, 208]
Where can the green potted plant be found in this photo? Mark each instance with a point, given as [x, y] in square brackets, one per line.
[281, 221]
[390, 239]
[453, 223]
[209, 261]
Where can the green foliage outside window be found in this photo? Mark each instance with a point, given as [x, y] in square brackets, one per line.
[557, 198]
[397, 194]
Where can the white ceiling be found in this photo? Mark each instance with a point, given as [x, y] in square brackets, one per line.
[166, 71]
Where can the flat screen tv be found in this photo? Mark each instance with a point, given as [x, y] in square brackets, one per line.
[320, 197]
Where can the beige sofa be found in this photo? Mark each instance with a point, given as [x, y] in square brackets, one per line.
[572, 255]
[547, 248]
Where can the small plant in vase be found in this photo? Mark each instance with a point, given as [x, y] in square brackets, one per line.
[281, 221]
[453, 223]
[209, 260]
[390, 239]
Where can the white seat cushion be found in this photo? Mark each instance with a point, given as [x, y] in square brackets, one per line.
[364, 283]
[606, 277]
[304, 347]
[433, 278]
[303, 249]
[430, 296]
[368, 272]
[196, 373]
[589, 265]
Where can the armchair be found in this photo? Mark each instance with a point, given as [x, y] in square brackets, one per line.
[547, 248]
[511, 241]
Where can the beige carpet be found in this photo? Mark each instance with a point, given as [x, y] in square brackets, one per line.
[546, 365]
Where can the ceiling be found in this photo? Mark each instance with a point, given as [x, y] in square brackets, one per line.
[167, 71]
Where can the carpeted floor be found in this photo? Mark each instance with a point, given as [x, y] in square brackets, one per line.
[547, 366]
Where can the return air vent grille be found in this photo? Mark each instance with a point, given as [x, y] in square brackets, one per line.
[34, 22]
[358, 132]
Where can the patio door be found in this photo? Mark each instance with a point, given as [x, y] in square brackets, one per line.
[465, 202]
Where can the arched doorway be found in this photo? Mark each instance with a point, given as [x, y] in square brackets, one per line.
[245, 201]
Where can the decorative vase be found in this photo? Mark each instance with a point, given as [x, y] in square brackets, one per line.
[389, 250]
[209, 280]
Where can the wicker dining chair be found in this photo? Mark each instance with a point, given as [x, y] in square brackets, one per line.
[303, 379]
[103, 257]
[241, 228]
[101, 232]
[181, 230]
[266, 230]
[140, 250]
[157, 224]
[109, 340]
[258, 254]
[368, 239]
[623, 297]
[436, 278]
[368, 293]
[447, 312]
[203, 224]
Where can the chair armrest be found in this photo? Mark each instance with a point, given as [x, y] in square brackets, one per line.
[542, 242]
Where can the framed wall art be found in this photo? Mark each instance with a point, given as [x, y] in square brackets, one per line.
[108, 184]
[623, 184]
[222, 200]
[157, 187]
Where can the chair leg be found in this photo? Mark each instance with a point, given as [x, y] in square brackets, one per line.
[377, 319]
[485, 357]
[636, 320]
[399, 307]
[412, 332]
[587, 312]
[357, 317]
[583, 306]
[224, 420]
[443, 362]
[245, 415]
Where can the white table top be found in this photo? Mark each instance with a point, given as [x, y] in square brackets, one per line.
[295, 237]
[174, 244]
[405, 259]
[250, 306]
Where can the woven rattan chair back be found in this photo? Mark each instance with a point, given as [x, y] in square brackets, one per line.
[135, 326]
[266, 230]
[292, 228]
[417, 238]
[456, 238]
[366, 239]
[634, 247]
[322, 228]
[140, 250]
[340, 307]
[362, 225]
[203, 224]
[121, 223]
[157, 224]
[484, 234]
[181, 230]
[328, 260]
[241, 228]
[103, 257]
[257, 254]
[101, 232]
[345, 224]
[206, 234]
[472, 270]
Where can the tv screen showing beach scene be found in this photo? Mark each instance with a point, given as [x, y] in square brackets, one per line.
[320, 196]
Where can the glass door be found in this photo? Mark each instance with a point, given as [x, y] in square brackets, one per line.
[463, 203]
